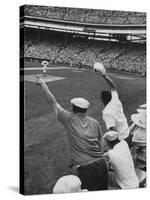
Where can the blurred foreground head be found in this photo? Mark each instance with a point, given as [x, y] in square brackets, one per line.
[67, 184]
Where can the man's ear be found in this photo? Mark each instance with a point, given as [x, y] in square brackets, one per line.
[106, 155]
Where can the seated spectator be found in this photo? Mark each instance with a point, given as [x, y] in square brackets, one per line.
[141, 174]
[139, 140]
[120, 159]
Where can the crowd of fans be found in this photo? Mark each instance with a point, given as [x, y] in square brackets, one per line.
[86, 15]
[114, 55]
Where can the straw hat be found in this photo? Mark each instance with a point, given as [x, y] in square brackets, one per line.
[139, 119]
[141, 111]
[139, 136]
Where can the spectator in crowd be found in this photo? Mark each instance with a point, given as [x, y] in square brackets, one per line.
[139, 140]
[123, 175]
[84, 137]
[121, 57]
[113, 114]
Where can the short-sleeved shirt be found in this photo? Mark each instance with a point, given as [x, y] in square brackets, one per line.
[122, 163]
[114, 116]
[84, 134]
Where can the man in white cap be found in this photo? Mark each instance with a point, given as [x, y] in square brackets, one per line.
[138, 150]
[113, 114]
[139, 140]
[120, 159]
[84, 136]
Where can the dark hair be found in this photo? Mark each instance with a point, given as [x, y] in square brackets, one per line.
[113, 143]
[77, 109]
[105, 96]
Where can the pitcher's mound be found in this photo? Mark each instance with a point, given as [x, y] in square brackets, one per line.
[47, 78]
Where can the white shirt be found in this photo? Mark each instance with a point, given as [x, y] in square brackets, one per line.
[113, 116]
[122, 163]
[44, 68]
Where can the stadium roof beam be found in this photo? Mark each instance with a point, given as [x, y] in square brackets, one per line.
[56, 21]
[64, 26]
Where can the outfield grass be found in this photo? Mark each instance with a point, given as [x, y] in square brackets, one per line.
[45, 147]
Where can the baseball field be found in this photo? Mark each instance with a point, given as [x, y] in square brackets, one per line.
[45, 140]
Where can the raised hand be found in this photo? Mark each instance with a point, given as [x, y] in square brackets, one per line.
[39, 81]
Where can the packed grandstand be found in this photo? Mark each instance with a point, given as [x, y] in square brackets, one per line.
[73, 49]
[86, 15]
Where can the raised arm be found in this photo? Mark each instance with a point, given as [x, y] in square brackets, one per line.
[109, 81]
[100, 67]
[47, 93]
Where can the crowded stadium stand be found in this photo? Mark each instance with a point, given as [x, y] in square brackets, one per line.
[86, 15]
[115, 38]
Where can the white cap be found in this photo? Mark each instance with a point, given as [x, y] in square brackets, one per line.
[44, 62]
[67, 184]
[139, 119]
[111, 135]
[80, 102]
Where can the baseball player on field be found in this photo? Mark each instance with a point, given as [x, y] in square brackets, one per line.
[44, 64]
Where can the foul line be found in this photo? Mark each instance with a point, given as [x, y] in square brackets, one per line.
[40, 68]
[122, 77]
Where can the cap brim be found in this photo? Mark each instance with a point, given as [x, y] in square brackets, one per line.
[136, 118]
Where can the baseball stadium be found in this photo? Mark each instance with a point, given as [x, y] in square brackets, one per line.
[71, 40]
